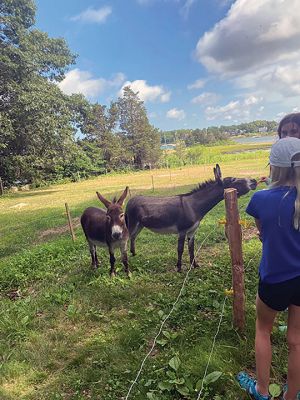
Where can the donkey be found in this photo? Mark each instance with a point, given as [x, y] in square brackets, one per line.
[107, 228]
[180, 214]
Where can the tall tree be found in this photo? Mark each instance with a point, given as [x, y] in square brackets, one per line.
[38, 122]
[99, 128]
[143, 140]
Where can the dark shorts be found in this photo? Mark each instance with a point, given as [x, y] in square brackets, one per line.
[279, 296]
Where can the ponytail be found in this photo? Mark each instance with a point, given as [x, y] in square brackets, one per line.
[282, 176]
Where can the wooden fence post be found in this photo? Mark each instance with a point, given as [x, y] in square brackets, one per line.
[234, 236]
[1, 188]
[70, 222]
[152, 183]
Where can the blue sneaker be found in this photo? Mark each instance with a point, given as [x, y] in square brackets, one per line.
[249, 384]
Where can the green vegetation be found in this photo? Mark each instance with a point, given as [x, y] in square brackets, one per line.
[217, 133]
[69, 333]
[39, 124]
[217, 153]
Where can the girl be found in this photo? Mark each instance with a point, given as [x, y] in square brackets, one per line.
[277, 216]
[289, 126]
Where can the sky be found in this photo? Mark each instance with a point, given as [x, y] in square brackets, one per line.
[194, 63]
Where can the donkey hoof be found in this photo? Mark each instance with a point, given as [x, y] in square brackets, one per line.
[196, 265]
[178, 269]
[112, 274]
[129, 274]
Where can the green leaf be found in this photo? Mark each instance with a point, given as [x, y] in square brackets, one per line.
[179, 381]
[274, 390]
[175, 363]
[149, 382]
[212, 377]
[183, 390]
[151, 396]
[167, 334]
[162, 342]
[282, 328]
[165, 385]
[171, 374]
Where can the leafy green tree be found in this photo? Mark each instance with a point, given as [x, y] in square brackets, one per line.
[38, 122]
[142, 140]
[99, 128]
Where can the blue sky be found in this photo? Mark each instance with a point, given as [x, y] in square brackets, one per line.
[195, 63]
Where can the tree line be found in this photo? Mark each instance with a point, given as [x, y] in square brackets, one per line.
[46, 135]
[217, 133]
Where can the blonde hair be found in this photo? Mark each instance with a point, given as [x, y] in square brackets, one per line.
[282, 176]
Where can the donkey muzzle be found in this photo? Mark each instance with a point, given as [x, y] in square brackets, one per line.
[116, 232]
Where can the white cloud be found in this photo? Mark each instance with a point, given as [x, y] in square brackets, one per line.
[253, 34]
[93, 15]
[256, 45]
[77, 81]
[175, 113]
[205, 98]
[147, 92]
[198, 84]
[239, 109]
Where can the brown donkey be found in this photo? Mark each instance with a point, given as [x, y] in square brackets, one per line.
[181, 214]
[107, 228]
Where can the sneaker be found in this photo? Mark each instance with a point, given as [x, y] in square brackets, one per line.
[249, 384]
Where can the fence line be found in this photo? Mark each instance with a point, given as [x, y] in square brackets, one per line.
[168, 316]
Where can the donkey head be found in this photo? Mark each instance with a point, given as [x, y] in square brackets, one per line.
[242, 185]
[115, 219]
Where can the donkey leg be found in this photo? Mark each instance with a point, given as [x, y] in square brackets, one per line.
[191, 246]
[112, 260]
[93, 255]
[180, 247]
[125, 257]
[133, 234]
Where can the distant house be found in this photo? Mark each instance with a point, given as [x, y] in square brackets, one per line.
[263, 129]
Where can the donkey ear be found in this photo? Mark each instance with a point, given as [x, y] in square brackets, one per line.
[123, 196]
[107, 203]
[217, 173]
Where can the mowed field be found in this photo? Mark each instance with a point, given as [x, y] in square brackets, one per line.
[67, 332]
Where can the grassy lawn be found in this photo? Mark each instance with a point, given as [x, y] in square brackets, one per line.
[69, 333]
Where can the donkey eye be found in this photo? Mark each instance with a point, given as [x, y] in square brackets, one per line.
[108, 218]
[122, 215]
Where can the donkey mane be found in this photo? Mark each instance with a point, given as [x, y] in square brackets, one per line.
[200, 186]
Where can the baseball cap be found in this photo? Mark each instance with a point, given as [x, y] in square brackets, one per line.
[283, 151]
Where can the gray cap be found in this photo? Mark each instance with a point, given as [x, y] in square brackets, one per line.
[283, 151]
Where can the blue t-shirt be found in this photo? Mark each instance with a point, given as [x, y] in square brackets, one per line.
[275, 208]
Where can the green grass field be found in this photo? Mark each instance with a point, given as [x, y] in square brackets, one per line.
[67, 332]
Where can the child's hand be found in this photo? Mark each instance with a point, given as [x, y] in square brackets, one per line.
[259, 235]
[264, 179]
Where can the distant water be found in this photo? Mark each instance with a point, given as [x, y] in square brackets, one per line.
[167, 146]
[259, 139]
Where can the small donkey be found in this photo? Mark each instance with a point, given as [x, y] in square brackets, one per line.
[107, 228]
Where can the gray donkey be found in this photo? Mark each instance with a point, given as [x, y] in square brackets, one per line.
[180, 214]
